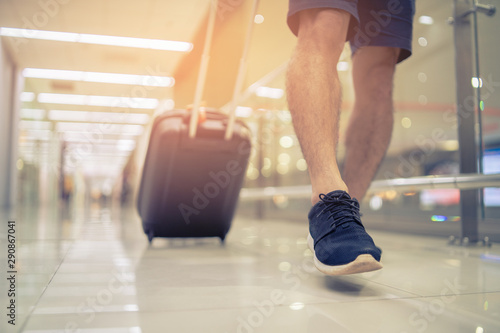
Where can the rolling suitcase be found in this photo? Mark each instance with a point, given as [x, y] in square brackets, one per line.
[195, 166]
[190, 186]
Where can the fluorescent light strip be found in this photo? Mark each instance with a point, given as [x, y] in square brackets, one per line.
[37, 114]
[109, 101]
[114, 117]
[77, 139]
[274, 93]
[102, 150]
[114, 160]
[154, 44]
[27, 96]
[126, 145]
[82, 135]
[108, 145]
[100, 128]
[243, 111]
[32, 134]
[95, 168]
[141, 80]
[35, 125]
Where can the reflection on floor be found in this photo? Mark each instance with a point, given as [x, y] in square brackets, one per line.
[94, 272]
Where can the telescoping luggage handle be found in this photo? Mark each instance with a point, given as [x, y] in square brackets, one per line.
[202, 74]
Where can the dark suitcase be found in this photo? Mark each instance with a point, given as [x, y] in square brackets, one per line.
[194, 169]
[190, 186]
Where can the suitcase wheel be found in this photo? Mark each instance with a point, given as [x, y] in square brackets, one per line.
[150, 236]
[222, 239]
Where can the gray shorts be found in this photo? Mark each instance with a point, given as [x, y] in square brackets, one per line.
[376, 22]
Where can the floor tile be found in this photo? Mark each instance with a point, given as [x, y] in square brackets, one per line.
[93, 269]
[463, 313]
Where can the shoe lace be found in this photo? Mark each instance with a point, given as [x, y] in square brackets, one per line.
[341, 209]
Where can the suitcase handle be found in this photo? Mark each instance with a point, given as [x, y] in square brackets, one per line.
[202, 74]
[241, 74]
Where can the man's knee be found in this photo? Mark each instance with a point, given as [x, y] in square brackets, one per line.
[374, 70]
[377, 58]
[324, 26]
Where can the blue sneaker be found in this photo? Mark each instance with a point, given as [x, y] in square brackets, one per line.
[338, 239]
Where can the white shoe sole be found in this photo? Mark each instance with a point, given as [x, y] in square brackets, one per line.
[363, 263]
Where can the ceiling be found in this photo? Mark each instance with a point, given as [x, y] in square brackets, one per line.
[155, 19]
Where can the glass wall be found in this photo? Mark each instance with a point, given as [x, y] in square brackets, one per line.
[424, 139]
[488, 85]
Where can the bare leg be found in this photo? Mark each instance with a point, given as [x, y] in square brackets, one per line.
[370, 126]
[313, 91]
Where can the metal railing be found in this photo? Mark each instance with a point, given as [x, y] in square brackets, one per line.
[463, 182]
[413, 184]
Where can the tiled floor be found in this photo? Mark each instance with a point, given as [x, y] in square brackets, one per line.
[94, 272]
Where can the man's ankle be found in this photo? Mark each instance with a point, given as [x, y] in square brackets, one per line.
[315, 195]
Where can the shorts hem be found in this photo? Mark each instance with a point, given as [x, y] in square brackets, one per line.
[293, 18]
[403, 44]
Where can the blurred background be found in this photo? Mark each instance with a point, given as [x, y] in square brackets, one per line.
[81, 82]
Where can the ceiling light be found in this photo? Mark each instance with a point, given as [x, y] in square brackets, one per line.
[140, 80]
[35, 125]
[72, 138]
[243, 111]
[99, 117]
[155, 44]
[27, 96]
[427, 20]
[37, 114]
[35, 135]
[126, 145]
[274, 93]
[110, 128]
[82, 135]
[109, 101]
[62, 99]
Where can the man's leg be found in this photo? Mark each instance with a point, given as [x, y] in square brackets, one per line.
[313, 91]
[337, 237]
[370, 126]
